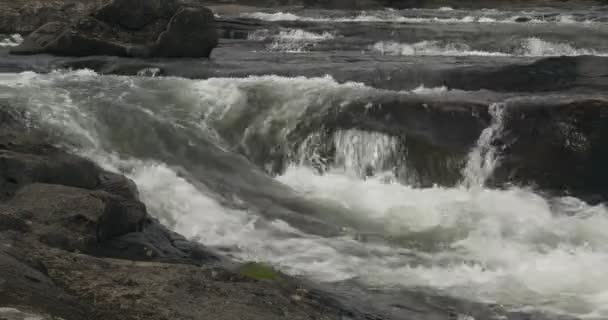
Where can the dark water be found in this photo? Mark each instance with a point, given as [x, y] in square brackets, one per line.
[290, 149]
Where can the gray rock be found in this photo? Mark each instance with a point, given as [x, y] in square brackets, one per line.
[132, 14]
[190, 33]
[129, 28]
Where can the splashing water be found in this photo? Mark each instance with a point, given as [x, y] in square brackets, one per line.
[529, 47]
[483, 159]
[511, 247]
[365, 153]
[11, 41]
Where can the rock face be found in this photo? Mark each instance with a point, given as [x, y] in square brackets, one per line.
[557, 145]
[132, 28]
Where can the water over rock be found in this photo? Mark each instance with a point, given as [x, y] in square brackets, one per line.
[146, 28]
[76, 243]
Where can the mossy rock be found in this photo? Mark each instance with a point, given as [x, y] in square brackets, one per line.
[259, 271]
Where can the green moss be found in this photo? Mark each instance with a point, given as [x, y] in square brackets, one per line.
[258, 271]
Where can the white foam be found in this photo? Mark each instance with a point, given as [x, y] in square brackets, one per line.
[291, 40]
[422, 90]
[531, 47]
[11, 41]
[277, 16]
[537, 47]
[361, 152]
[297, 40]
[429, 48]
[393, 16]
[509, 247]
[299, 34]
[484, 158]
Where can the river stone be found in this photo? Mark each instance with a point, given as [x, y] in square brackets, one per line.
[131, 14]
[129, 28]
[190, 33]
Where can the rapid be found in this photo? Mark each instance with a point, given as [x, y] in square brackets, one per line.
[280, 168]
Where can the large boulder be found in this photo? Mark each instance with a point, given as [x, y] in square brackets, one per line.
[133, 14]
[72, 218]
[25, 16]
[557, 146]
[190, 33]
[85, 37]
[130, 28]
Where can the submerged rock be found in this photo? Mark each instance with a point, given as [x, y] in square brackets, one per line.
[132, 28]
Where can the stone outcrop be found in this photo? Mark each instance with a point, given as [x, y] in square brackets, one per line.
[131, 28]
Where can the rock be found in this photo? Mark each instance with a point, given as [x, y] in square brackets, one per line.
[22, 285]
[129, 28]
[156, 243]
[523, 19]
[557, 146]
[132, 14]
[71, 218]
[41, 38]
[85, 37]
[25, 16]
[190, 33]
[19, 168]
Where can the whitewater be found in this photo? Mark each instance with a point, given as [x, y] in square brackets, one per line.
[376, 153]
[512, 247]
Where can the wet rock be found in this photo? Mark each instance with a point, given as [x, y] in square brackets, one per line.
[132, 28]
[523, 19]
[21, 285]
[156, 243]
[133, 14]
[71, 218]
[557, 146]
[117, 184]
[548, 74]
[20, 167]
[190, 33]
[25, 16]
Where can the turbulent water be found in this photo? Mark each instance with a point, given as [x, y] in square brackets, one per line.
[11, 40]
[531, 47]
[248, 166]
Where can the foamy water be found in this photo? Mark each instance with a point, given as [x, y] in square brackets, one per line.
[429, 48]
[291, 40]
[530, 47]
[512, 247]
[11, 41]
[509, 247]
[393, 16]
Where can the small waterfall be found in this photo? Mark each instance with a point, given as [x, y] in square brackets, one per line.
[484, 158]
[364, 153]
[358, 152]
